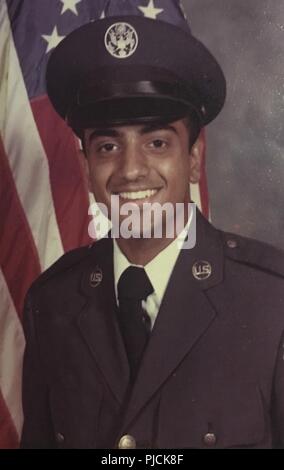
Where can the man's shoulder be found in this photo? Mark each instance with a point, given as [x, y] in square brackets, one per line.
[71, 262]
[253, 253]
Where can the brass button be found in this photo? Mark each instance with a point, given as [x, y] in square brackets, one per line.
[232, 243]
[59, 438]
[127, 442]
[210, 439]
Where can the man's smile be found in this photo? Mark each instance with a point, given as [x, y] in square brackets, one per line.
[137, 195]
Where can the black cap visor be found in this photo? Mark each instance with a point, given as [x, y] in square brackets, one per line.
[130, 102]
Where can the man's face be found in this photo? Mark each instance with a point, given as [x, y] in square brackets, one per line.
[142, 163]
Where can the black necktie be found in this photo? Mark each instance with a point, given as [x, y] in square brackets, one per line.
[133, 287]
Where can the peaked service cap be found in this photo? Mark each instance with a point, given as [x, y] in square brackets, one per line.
[126, 69]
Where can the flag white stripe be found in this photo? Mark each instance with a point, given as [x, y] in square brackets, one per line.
[12, 345]
[27, 157]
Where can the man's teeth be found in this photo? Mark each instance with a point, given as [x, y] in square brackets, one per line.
[138, 194]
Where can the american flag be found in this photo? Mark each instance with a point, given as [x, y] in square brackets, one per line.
[43, 197]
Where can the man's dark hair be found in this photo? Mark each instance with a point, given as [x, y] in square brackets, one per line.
[193, 125]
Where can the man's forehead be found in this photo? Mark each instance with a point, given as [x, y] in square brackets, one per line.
[117, 130]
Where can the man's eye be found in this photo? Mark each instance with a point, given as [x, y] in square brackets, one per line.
[108, 147]
[158, 144]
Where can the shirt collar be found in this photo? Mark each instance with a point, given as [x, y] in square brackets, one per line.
[159, 269]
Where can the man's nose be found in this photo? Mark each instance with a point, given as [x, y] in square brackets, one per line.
[133, 163]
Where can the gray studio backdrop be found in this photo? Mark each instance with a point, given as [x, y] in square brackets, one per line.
[245, 155]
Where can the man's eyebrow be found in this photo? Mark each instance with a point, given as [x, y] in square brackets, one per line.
[103, 132]
[157, 127]
[112, 132]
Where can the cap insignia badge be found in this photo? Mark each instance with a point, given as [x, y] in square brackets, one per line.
[121, 40]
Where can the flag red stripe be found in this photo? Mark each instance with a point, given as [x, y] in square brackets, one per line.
[8, 435]
[18, 255]
[69, 190]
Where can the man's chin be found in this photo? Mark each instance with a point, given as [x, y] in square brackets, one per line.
[139, 229]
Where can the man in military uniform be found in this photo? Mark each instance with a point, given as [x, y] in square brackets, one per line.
[133, 343]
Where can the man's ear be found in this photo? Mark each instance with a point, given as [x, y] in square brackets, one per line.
[85, 168]
[196, 158]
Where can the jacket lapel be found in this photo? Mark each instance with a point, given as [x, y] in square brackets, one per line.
[185, 314]
[97, 320]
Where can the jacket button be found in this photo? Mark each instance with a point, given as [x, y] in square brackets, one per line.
[59, 438]
[210, 439]
[127, 442]
[232, 243]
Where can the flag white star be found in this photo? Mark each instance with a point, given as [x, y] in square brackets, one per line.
[150, 11]
[103, 15]
[70, 5]
[52, 39]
